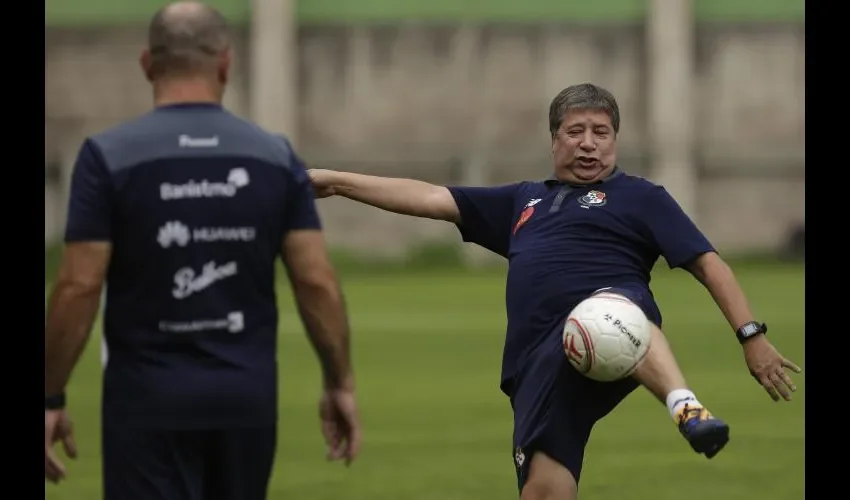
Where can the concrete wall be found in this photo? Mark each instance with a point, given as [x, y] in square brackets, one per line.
[416, 100]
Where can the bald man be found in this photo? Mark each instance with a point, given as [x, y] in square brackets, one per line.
[182, 213]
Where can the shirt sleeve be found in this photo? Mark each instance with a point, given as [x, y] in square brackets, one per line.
[301, 212]
[675, 235]
[486, 214]
[91, 198]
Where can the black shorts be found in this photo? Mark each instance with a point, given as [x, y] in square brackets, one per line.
[555, 406]
[161, 464]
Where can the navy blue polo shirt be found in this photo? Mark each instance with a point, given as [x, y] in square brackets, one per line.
[196, 203]
[564, 242]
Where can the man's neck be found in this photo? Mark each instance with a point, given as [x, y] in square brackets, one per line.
[572, 181]
[186, 91]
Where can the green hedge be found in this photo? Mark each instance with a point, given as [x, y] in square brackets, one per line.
[107, 12]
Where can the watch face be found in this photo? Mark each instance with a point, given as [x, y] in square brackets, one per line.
[751, 329]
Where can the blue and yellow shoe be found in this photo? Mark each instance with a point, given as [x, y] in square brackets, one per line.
[706, 434]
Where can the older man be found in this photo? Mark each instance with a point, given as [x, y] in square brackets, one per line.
[590, 226]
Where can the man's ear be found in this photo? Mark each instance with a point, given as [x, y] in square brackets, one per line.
[146, 62]
[224, 62]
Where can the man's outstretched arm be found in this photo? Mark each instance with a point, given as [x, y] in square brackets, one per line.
[402, 196]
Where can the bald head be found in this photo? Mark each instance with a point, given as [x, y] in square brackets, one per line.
[187, 39]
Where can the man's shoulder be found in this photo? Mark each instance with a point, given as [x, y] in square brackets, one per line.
[275, 140]
[531, 186]
[634, 180]
[126, 129]
[113, 143]
[637, 184]
[154, 125]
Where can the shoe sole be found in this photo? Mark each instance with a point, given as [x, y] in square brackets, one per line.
[711, 441]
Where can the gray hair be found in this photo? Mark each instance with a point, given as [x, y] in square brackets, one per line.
[583, 96]
[185, 37]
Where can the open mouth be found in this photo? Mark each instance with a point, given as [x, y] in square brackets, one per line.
[586, 161]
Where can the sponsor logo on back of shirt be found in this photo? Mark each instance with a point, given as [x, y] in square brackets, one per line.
[194, 189]
[188, 282]
[179, 234]
[234, 322]
[187, 141]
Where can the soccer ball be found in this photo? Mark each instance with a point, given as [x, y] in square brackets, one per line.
[606, 337]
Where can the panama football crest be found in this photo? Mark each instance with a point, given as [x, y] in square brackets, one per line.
[593, 199]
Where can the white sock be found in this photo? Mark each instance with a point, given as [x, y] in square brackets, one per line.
[677, 399]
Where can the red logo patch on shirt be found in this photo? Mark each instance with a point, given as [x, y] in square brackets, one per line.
[523, 218]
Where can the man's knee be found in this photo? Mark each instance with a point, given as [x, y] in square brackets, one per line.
[548, 480]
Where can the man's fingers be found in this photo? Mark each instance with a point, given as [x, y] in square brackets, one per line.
[335, 447]
[786, 379]
[355, 439]
[327, 431]
[768, 386]
[54, 470]
[780, 386]
[50, 472]
[337, 450]
[347, 445]
[330, 430]
[70, 445]
[786, 363]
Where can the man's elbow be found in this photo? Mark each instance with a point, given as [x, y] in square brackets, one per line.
[441, 205]
[707, 266]
[84, 267]
[316, 285]
[78, 286]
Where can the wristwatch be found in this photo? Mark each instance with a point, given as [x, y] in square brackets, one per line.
[750, 330]
[56, 402]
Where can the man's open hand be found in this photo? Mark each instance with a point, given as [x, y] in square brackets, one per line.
[769, 368]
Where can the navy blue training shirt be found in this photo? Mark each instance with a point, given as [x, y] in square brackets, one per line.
[196, 203]
[564, 242]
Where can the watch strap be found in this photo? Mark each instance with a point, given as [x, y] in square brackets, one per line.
[56, 402]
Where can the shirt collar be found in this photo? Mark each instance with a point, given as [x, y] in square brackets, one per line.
[553, 181]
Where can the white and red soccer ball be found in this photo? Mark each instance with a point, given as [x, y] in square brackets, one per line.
[606, 337]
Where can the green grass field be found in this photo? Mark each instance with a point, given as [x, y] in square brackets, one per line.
[427, 353]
